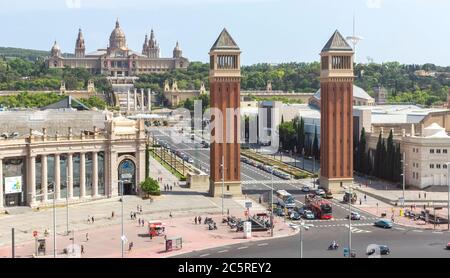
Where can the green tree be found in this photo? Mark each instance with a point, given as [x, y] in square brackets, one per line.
[316, 151]
[150, 187]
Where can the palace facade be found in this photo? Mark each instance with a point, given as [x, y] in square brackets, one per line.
[117, 60]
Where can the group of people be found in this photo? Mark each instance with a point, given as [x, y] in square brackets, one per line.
[141, 222]
[198, 220]
[90, 219]
[168, 187]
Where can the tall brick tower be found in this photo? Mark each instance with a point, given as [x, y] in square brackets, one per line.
[225, 88]
[336, 121]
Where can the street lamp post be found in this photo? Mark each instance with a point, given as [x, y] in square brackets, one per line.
[350, 223]
[67, 200]
[271, 205]
[223, 180]
[404, 177]
[448, 199]
[122, 237]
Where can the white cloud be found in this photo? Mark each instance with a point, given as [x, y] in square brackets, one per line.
[52, 5]
[374, 4]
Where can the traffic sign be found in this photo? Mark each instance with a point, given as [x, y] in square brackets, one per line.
[35, 233]
[248, 205]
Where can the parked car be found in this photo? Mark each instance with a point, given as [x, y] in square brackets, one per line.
[309, 215]
[306, 189]
[383, 223]
[355, 216]
[448, 246]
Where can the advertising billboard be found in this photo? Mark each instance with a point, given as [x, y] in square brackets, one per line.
[13, 185]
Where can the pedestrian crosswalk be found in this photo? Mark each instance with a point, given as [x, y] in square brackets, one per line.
[354, 228]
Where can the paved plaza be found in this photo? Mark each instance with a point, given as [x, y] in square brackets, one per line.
[176, 208]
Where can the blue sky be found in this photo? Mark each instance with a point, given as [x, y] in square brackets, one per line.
[409, 31]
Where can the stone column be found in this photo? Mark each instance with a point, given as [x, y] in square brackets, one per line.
[149, 100]
[142, 100]
[135, 99]
[31, 192]
[94, 174]
[44, 179]
[70, 175]
[57, 177]
[128, 101]
[1, 184]
[82, 175]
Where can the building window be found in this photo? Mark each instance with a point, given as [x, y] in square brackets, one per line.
[438, 151]
[438, 166]
[444, 151]
[431, 166]
[444, 166]
[432, 151]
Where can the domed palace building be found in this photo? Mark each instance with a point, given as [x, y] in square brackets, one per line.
[117, 60]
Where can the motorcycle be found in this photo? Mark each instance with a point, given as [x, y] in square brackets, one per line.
[333, 246]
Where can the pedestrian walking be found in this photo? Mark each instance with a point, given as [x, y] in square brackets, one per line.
[195, 220]
[425, 195]
[228, 212]
[134, 215]
[365, 197]
[112, 215]
[82, 249]
[171, 188]
[87, 237]
[93, 220]
[137, 208]
[140, 209]
[131, 215]
[130, 246]
[139, 221]
[199, 220]
[89, 219]
[143, 223]
[170, 214]
[360, 202]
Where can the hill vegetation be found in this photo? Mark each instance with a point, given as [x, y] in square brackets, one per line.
[22, 69]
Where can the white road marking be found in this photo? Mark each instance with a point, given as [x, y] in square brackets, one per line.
[263, 244]
[243, 247]
[418, 231]
[204, 255]
[222, 251]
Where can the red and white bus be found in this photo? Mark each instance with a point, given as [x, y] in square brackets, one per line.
[320, 207]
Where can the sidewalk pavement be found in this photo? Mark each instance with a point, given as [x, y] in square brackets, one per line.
[176, 208]
[105, 241]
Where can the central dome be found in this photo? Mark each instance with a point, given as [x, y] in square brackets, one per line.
[117, 39]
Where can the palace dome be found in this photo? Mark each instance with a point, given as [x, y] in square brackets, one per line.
[117, 39]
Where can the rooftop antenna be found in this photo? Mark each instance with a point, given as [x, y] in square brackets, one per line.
[354, 39]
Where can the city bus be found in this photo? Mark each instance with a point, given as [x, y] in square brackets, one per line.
[320, 207]
[285, 199]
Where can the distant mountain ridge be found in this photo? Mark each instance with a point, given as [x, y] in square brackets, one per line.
[28, 54]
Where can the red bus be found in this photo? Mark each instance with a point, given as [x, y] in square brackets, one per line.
[320, 207]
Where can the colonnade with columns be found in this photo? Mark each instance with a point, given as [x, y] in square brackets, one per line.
[136, 95]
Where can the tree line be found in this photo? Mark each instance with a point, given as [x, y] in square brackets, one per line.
[293, 138]
[385, 162]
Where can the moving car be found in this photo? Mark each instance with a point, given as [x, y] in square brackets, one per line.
[448, 246]
[294, 216]
[320, 192]
[384, 250]
[279, 212]
[355, 216]
[306, 189]
[383, 223]
[308, 215]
